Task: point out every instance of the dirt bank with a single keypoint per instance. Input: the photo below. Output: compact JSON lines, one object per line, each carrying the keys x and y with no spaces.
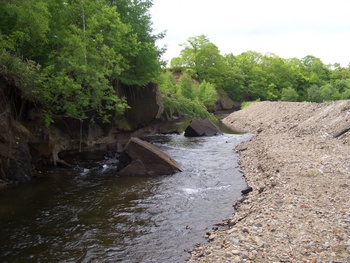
{"x":298,"y":165}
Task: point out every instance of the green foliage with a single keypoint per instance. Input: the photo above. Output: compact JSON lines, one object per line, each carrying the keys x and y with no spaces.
{"x":187,"y":87}
{"x":233,"y":83}
{"x":246,"y":104}
{"x":207,"y":94}
{"x":19,"y":73}
{"x":82,"y":46}
{"x":181,"y":99}
{"x":145,"y":63}
{"x":24,"y":26}
{"x":65,"y":96}
{"x":313,"y":173}
{"x":88,"y":51}
{"x":203,"y":60}
{"x":326,"y":92}
{"x":345,"y":95}
{"x":176,"y":64}
{"x":177,"y":105}
{"x":289,"y":94}
{"x":167,"y":83}
{"x":342,"y":84}
{"x":314,"y":94}
{"x":252,"y":75}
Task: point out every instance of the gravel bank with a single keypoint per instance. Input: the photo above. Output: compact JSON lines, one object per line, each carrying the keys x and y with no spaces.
{"x":298,"y":164}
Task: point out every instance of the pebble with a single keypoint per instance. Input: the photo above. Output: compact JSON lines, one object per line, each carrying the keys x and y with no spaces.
{"x":228,"y":254}
{"x":245,"y":254}
{"x":212,"y":237}
{"x":297,"y":217}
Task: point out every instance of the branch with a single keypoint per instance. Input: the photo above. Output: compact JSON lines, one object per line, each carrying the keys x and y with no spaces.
{"x":341,"y":132}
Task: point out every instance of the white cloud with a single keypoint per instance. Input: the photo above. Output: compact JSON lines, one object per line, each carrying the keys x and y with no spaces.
{"x":287,"y":28}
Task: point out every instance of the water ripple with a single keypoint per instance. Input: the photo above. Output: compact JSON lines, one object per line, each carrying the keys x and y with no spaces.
{"x":89,"y":214}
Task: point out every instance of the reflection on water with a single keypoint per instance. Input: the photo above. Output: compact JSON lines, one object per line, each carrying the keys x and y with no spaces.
{"x":89,"y":214}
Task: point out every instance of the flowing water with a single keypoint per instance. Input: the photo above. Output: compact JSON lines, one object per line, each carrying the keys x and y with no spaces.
{"x":89,"y":214}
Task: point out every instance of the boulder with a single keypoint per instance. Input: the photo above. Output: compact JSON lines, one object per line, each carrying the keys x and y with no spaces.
{"x":142,"y":158}
{"x":201,"y":127}
{"x":224,"y":102}
{"x":139,"y":99}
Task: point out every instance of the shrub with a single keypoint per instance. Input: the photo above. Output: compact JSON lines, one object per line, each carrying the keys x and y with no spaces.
{"x":289,"y":94}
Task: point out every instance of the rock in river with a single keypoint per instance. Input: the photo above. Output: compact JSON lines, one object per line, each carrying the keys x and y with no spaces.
{"x":201,"y":127}
{"x":142,"y":158}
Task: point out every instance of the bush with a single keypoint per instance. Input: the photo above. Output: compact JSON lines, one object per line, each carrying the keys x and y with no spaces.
{"x":313,"y":94}
{"x":177,"y":105}
{"x":22,"y":74}
{"x":207,"y":94}
{"x":329,"y":93}
{"x":289,"y":94}
{"x":346,"y":94}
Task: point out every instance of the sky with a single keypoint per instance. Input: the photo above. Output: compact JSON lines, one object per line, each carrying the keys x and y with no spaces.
{"x":287,"y":28}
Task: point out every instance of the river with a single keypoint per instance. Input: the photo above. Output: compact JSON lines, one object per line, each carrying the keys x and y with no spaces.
{"x":89,"y":214}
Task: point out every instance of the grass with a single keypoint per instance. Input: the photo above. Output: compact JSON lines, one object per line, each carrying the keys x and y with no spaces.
{"x":313,"y":173}
{"x":246,"y":104}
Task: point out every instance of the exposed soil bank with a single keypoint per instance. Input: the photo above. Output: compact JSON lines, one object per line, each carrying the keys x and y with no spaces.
{"x":27,"y":146}
{"x":298,"y":165}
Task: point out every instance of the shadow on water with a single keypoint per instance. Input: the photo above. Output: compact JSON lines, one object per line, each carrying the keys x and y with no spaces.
{"x":179,"y":126}
{"x":89,"y":214}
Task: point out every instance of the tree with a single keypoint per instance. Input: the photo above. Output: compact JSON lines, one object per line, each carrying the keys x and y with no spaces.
{"x":279,"y":72}
{"x":82,"y":46}
{"x":328,"y":93}
{"x":313,"y":70}
{"x":289,"y":94}
{"x":207,"y":93}
{"x":186,"y":87}
{"x":314,"y":94}
{"x":167,"y":83}
{"x":24,"y":26}
{"x":342,"y":84}
{"x":345,"y":95}
{"x":145,"y":64}
{"x":180,"y":99}
{"x":233,"y":78}
{"x":338,"y":72}
{"x":90,"y":40}
{"x":202,"y":59}
{"x":255,"y":78}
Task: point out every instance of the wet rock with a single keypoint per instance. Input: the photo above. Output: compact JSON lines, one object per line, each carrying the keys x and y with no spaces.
{"x":247,"y":190}
{"x":114,"y":151}
{"x":142,"y":158}
{"x":139,"y":99}
{"x":245,"y":230}
{"x":224,"y":102}
{"x":114,"y":148}
{"x":201,"y":127}
{"x":15,"y":158}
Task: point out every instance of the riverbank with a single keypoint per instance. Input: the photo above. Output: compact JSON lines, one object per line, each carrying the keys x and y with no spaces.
{"x":298,"y":164}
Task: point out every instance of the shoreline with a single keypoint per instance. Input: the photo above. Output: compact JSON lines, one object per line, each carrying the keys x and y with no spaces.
{"x":299,"y":170}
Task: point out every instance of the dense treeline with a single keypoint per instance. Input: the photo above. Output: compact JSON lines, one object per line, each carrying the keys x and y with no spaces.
{"x":252,"y":75}
{"x":66,"y":54}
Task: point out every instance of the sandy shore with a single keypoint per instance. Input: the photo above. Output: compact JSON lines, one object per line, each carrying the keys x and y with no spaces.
{"x":298,"y":165}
